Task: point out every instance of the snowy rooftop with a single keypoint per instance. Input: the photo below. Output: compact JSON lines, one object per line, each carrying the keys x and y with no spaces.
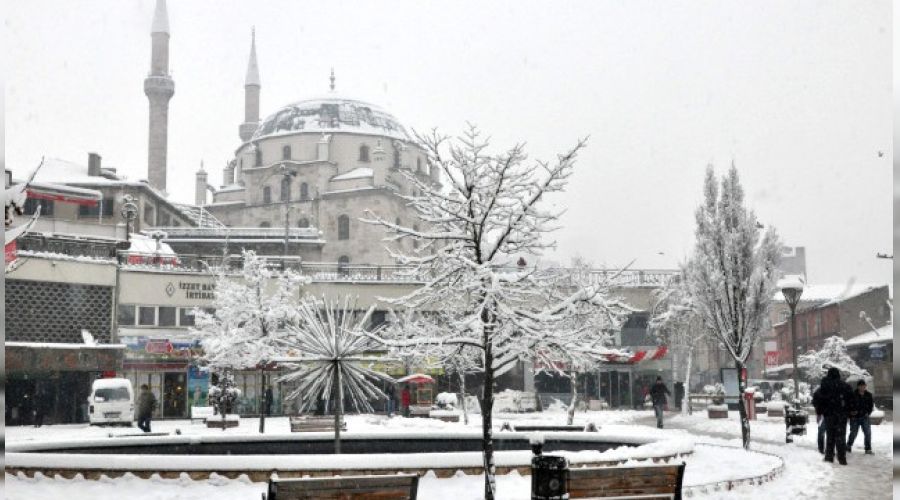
{"x":831,"y":293}
{"x":332,"y":114}
{"x":356,"y":173}
{"x":883,"y":334}
{"x":60,"y":171}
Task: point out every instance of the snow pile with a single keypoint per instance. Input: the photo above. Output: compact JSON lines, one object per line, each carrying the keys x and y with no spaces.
{"x":514,"y":401}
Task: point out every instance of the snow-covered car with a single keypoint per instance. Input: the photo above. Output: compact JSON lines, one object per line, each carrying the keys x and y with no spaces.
{"x":111,"y":402}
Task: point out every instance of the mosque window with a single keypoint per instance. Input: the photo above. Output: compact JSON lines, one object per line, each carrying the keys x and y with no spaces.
{"x":396,"y":157}
{"x":286,"y":153}
{"x":343,"y":265}
{"x":364,"y":153}
{"x":343,"y":227}
{"x":419,"y":165}
{"x":304,"y":223}
{"x":416,"y":238}
{"x":265,"y":223}
{"x":258,"y":157}
{"x":304,"y":191}
{"x":286,"y":189}
{"x":267,"y":194}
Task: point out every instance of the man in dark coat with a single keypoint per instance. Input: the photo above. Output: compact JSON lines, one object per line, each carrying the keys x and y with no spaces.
{"x":658,"y":395}
{"x":146,"y":405}
{"x":390,"y":392}
{"x":833,"y":403}
{"x":861,"y":406}
{"x":820,"y":422}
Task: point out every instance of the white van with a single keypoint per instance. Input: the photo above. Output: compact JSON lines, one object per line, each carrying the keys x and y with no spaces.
{"x":111,"y":402}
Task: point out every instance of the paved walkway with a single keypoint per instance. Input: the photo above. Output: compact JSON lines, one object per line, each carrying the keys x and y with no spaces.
{"x":866,"y":477}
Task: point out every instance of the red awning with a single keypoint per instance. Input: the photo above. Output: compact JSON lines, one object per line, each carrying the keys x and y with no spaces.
{"x":77,"y":199}
{"x":416,"y":378}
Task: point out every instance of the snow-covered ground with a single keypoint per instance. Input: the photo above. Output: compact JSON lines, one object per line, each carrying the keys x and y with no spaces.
{"x":805,"y":475}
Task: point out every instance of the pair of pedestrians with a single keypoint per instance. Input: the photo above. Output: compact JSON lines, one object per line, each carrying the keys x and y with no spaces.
{"x":836,"y":403}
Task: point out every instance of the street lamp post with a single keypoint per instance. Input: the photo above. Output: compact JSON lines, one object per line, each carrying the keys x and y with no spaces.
{"x":792,"y":289}
{"x":129,"y":213}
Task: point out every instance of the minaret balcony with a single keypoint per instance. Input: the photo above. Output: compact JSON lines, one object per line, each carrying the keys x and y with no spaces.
{"x":159,"y":85}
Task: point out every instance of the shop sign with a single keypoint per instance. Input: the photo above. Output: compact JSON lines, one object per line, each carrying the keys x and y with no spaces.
{"x":158,"y":346}
{"x":194,"y":289}
{"x":876,"y":351}
{"x":157,"y":349}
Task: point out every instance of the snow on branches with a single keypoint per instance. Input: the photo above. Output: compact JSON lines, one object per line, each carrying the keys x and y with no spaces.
{"x":472,"y":228}
{"x":735,"y":272}
{"x":251,"y":308}
{"x":832,"y":354}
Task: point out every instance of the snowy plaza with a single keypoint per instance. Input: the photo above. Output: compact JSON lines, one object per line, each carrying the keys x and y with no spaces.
{"x":715,"y":460}
{"x":448,"y":251}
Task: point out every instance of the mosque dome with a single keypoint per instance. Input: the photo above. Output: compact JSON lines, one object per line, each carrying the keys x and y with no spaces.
{"x":331,"y":114}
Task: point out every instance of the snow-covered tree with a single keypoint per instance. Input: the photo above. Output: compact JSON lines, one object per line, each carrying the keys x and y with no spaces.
{"x":251,"y":309}
{"x":675,"y":320}
{"x":470,"y":229}
{"x":833,"y":353}
{"x":326,"y":354}
{"x":733,"y":277}
{"x":223,"y":394}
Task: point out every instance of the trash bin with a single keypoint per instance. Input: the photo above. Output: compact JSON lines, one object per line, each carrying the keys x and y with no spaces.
{"x":750,"y":404}
{"x":549,"y":478}
{"x":795,"y":421}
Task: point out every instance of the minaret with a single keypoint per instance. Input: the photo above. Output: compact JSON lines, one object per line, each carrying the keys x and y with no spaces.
{"x":251,"y":94}
{"x":159,"y":88}
{"x":200,"y":187}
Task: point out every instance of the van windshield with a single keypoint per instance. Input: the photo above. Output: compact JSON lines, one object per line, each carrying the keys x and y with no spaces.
{"x":111,"y":394}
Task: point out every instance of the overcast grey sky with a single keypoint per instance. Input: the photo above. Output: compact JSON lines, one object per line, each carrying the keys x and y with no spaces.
{"x":798,"y":94}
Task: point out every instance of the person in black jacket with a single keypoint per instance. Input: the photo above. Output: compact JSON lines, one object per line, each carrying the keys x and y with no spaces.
{"x":658,"y":396}
{"x":820,"y":422}
{"x":861,"y":406}
{"x":833,"y":402}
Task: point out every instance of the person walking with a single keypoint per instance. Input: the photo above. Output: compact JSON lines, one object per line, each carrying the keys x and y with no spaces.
{"x":41,"y":404}
{"x":405,"y":400}
{"x":146,"y":405}
{"x":390,"y":392}
{"x":861,"y":406}
{"x":834,"y":400}
{"x":820,"y":421}
{"x":658,"y":395}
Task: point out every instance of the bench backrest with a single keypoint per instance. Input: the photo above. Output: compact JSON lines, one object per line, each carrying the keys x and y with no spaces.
{"x":627,"y":482}
{"x":387,"y":487}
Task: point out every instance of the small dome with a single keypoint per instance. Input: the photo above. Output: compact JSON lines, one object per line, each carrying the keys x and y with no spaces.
{"x":329,"y":115}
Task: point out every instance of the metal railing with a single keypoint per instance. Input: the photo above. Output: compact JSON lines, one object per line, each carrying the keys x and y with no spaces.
{"x":335,"y":271}
{"x":179,"y":232}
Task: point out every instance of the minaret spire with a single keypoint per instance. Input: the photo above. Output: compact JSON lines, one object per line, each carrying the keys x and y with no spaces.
{"x":332,"y":79}
{"x":159,"y":88}
{"x":251,"y":93}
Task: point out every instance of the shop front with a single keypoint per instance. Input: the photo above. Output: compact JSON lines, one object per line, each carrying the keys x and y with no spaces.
{"x":168,"y":366}
{"x":51,"y":382}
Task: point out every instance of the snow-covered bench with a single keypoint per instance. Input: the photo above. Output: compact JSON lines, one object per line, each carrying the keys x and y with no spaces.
{"x":589,"y":427}
{"x":314,"y":424}
{"x":387,"y":487}
{"x":202,"y":412}
{"x":217,"y":422}
{"x":642,"y":481}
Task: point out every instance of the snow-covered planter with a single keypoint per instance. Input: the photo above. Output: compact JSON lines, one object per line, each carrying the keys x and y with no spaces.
{"x":762,"y":408}
{"x":775,"y":408}
{"x":445,"y":415}
{"x":876,"y":417}
{"x":717,"y":411}
{"x":446,"y":401}
{"x":716,"y":391}
{"x":219,"y":423}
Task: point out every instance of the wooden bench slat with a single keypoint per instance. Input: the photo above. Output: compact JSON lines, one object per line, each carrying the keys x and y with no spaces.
{"x":651,"y":481}
{"x":386,"y":487}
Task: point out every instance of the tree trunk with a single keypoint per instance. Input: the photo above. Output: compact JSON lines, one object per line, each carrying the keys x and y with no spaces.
{"x":742,"y":410}
{"x":462,"y":390}
{"x":338,"y":409}
{"x":685,"y":398}
{"x":262,"y":401}
{"x":573,"y":385}
{"x":487,"y":406}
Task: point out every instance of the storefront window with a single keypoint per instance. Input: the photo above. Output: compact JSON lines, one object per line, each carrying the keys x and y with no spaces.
{"x":126,"y":315}
{"x":147,"y":316}
{"x":166,"y":316}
